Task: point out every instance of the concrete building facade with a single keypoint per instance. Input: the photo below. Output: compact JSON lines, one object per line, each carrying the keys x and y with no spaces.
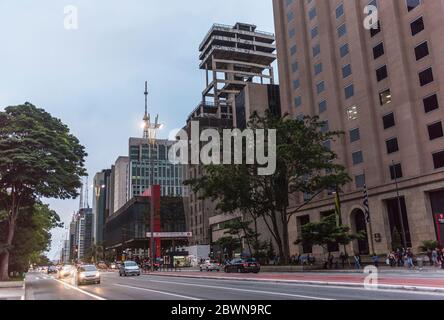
{"x":383,"y":88}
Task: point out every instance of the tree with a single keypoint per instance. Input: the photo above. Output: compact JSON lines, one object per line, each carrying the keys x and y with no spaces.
{"x":33,"y":235}
{"x":38,"y":158}
{"x":304,"y":164}
{"x":228,"y":245}
{"x":327,"y":233}
{"x":429,"y":245}
{"x":94,"y":254}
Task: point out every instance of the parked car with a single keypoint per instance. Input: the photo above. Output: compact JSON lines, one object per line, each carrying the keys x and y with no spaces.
{"x":210,"y":265}
{"x":88,"y":274}
{"x":129,"y":268}
{"x":243,"y":266}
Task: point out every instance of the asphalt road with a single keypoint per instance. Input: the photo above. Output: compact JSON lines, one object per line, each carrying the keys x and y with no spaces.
{"x":113,"y":287}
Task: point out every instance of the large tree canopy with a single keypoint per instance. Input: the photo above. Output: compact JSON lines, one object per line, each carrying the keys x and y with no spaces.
{"x":305,"y":164}
{"x":38,"y":158}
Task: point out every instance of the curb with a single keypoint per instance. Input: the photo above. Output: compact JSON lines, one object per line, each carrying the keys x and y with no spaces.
{"x":308,"y":282}
{"x":12,"y":285}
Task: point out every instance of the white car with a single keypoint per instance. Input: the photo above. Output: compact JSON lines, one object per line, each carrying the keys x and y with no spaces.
{"x":210,"y":265}
{"x":88,"y":274}
{"x":129,"y":268}
{"x":67,"y":271}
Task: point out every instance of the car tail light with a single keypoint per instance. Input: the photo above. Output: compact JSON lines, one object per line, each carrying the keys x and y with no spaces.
{"x":245,"y":264}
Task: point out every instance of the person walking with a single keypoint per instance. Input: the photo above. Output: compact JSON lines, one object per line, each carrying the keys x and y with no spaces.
{"x":343,"y":257}
{"x":435,"y":254}
{"x":357,"y":258}
{"x":375,"y":260}
{"x":409,"y":259}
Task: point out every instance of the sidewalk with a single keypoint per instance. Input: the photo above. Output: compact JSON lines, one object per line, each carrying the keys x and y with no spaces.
{"x":12,"y":290}
{"x":404,"y":280}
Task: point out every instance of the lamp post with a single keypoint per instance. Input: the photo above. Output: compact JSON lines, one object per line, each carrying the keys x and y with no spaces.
{"x":398,"y":197}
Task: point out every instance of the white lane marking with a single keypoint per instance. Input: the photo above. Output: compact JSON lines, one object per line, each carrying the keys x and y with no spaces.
{"x":247,"y":290}
{"x":80,"y":290}
{"x":155,"y":291}
{"x":22,"y":298}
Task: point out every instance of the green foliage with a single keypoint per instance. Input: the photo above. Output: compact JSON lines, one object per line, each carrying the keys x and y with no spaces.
{"x":32,"y":237}
{"x":327,"y":233}
{"x":38,"y":158}
{"x":228,"y":245}
{"x":429,"y":245}
{"x":304,"y":164}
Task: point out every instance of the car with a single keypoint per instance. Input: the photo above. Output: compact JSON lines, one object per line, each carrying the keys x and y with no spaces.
{"x":129,"y":268}
{"x":67,"y":271}
{"x":52,"y":269}
{"x":249,"y":265}
{"x":88,"y":274}
{"x":102,"y":265}
{"x":210,"y":265}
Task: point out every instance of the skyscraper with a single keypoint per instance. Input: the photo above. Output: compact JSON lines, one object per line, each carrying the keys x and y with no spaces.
{"x":382,"y":87}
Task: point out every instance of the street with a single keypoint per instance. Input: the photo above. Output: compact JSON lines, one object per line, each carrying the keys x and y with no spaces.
{"x":43,"y":287}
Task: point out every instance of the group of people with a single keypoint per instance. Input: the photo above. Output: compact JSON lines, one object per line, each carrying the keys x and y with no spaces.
{"x":400,"y":257}
{"x":305,"y":259}
{"x":436,"y":257}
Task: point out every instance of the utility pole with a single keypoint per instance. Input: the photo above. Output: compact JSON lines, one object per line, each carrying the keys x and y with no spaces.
{"x":403,"y":234}
{"x":152,"y":242}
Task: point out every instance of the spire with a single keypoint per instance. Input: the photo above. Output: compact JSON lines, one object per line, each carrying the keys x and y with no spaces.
{"x":146,"y":117}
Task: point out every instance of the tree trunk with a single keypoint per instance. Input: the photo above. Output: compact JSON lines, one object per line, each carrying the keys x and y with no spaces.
{"x":285,"y":240}
{"x":4,"y":261}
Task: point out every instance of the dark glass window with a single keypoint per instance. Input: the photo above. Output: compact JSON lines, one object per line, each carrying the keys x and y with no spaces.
{"x":435,"y":131}
{"x":374,"y":32}
{"x":322,"y":106}
{"x":378,"y":50}
{"x":355,"y":135}
{"x":426,"y":77}
{"x":339,"y":10}
{"x":422,"y":51}
{"x":431,"y":103}
{"x":346,"y":71}
{"x":438,"y":160}
{"x":357,"y":157}
{"x":392,"y":145}
{"x":343,"y":50}
{"x":381,"y":73}
{"x":349,"y":91}
{"x":412,"y":4}
{"x":417,"y":26}
{"x":396,"y":171}
{"x":389,"y":120}
{"x":360,"y":181}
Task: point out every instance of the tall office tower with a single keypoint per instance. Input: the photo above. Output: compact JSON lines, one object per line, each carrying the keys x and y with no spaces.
{"x":149,"y":165}
{"x":238,"y":64}
{"x":120,"y":182}
{"x":382,"y":87}
{"x":72,"y":239}
{"x":84,"y":232}
{"x":102,"y":202}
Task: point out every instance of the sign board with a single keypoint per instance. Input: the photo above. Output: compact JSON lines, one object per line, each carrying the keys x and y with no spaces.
{"x":170,"y":234}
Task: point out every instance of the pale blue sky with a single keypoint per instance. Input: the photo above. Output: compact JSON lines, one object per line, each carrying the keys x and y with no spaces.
{"x":92,"y":78}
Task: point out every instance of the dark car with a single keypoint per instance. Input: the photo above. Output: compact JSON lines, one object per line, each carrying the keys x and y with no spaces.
{"x":52,"y":269}
{"x":243,"y":266}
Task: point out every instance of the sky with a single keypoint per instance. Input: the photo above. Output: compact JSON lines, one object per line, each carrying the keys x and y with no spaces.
{"x":92,"y":78}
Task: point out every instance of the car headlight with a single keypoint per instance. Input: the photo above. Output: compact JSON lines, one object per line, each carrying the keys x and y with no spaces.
{"x":97,"y":274}
{"x":82,"y":275}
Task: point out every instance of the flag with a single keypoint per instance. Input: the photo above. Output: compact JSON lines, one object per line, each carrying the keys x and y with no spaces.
{"x":366,"y":207}
{"x":338,"y":208}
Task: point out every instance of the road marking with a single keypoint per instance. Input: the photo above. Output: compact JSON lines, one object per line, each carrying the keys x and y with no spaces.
{"x":246,"y":290}
{"x":80,"y":290}
{"x":160,"y":292}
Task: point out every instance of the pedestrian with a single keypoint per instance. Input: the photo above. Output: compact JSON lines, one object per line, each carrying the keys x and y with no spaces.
{"x":331,"y":259}
{"x":357,"y":258}
{"x":375,"y":260}
{"x":435,"y":255}
{"x":342,"y":258}
{"x":409,"y":258}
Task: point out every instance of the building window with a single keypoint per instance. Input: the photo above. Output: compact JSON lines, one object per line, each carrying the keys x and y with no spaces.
{"x":396,"y":171}
{"x":435,"y":130}
{"x":431,"y":103}
{"x":290,"y":16}
{"x":355,"y":135}
{"x":349,"y":91}
{"x":293,"y":50}
{"x":412,"y":4}
{"x":426,"y":77}
{"x":294,"y":67}
{"x":385,"y":97}
{"x":381,"y":73}
{"x":438,"y":160}
{"x":422,"y":51}
{"x":339,"y":11}
{"x":374,"y":32}
{"x":316,"y":50}
{"x":318,"y":68}
{"x":292,"y":33}
{"x":392,"y":145}
{"x":320,"y":87}
{"x":357,"y":157}
{"x":388,"y":120}
{"x":417,"y":26}
{"x":346,"y":71}
{"x":298,"y":101}
{"x":360,"y":181}
{"x":296,"y":84}
{"x":322,"y":106}
{"x":352,"y":113}
{"x":342,"y":31}
{"x":314,"y":32}
{"x":312,"y":14}
{"x":343,"y":50}
{"x":378,"y":50}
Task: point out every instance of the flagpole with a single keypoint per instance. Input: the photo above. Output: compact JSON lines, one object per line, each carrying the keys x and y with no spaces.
{"x":368,"y":218}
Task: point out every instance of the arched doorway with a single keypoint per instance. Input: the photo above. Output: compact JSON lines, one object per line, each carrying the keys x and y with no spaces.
{"x":359,"y":225}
